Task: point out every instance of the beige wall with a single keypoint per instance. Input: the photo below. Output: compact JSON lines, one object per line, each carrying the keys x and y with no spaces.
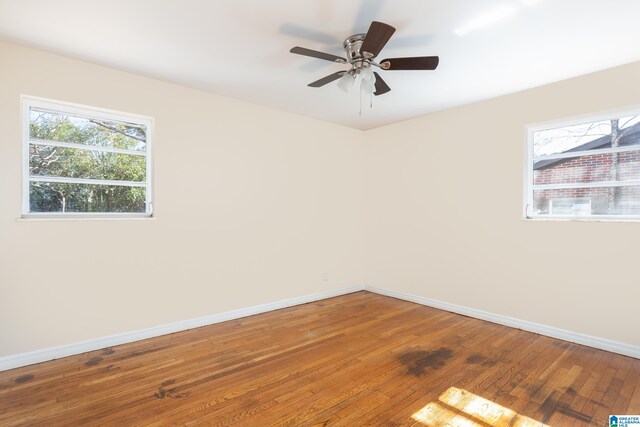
{"x":444,"y":208}
{"x":252,"y":206}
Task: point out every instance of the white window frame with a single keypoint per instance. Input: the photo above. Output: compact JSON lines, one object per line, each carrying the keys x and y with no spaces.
{"x":529,"y":159}
{"x":84,"y":111}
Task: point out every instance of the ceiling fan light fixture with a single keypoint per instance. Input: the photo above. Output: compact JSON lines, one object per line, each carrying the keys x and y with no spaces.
{"x":367,"y":86}
{"x":367,"y":75}
{"x":367,"y":80}
{"x":346,"y":82}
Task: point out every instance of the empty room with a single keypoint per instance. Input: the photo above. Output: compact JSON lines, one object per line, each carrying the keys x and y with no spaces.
{"x":319,"y":213}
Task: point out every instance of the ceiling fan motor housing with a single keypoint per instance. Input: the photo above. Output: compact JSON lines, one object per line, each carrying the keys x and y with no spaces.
{"x":352,"y":45}
{"x":356,"y":58}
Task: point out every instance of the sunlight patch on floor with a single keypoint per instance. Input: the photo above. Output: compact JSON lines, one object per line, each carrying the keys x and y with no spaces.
{"x":460,"y":408}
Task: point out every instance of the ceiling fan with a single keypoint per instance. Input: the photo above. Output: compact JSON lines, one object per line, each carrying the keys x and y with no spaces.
{"x":362,"y":49}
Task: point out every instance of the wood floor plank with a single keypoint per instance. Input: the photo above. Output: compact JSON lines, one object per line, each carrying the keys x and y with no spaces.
{"x":634,"y":403}
{"x":354,"y":360}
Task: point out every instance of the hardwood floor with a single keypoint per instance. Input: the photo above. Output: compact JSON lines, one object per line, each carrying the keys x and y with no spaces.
{"x":355,"y":360}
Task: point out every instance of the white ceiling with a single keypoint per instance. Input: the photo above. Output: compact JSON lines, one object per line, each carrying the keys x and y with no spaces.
{"x":241,"y":48}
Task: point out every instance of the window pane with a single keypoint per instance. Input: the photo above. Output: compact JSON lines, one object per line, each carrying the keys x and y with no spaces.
{"x":594,"y":168}
{"x":73,"y":163}
{"x":587,"y":136}
{"x":61,"y":197}
{"x":67,"y":128}
{"x":587,"y":201}
{"x":560,"y":140}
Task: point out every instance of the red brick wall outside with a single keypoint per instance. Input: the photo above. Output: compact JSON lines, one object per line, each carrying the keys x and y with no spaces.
{"x":586,"y":169}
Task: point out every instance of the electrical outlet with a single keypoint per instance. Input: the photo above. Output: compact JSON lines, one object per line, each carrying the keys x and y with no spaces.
{"x":325,"y":276}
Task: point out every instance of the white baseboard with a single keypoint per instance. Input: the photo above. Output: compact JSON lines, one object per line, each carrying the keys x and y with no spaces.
{"x":29,"y":358}
{"x":37,"y":356}
{"x":550,"y":331}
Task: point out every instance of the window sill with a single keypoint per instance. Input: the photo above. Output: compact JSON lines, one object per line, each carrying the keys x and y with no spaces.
{"x":83,"y":218}
{"x":581,"y":219}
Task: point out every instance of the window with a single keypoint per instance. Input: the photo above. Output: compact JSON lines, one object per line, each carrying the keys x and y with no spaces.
{"x":570,"y":207}
{"x":585,"y":169}
{"x":84,"y":161}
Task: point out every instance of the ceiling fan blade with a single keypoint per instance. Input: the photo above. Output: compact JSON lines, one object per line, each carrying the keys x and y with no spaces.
{"x":328,"y":79}
{"x":415,"y":63}
{"x":315,"y":54}
{"x":378,"y":35}
{"x":381,"y":86}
